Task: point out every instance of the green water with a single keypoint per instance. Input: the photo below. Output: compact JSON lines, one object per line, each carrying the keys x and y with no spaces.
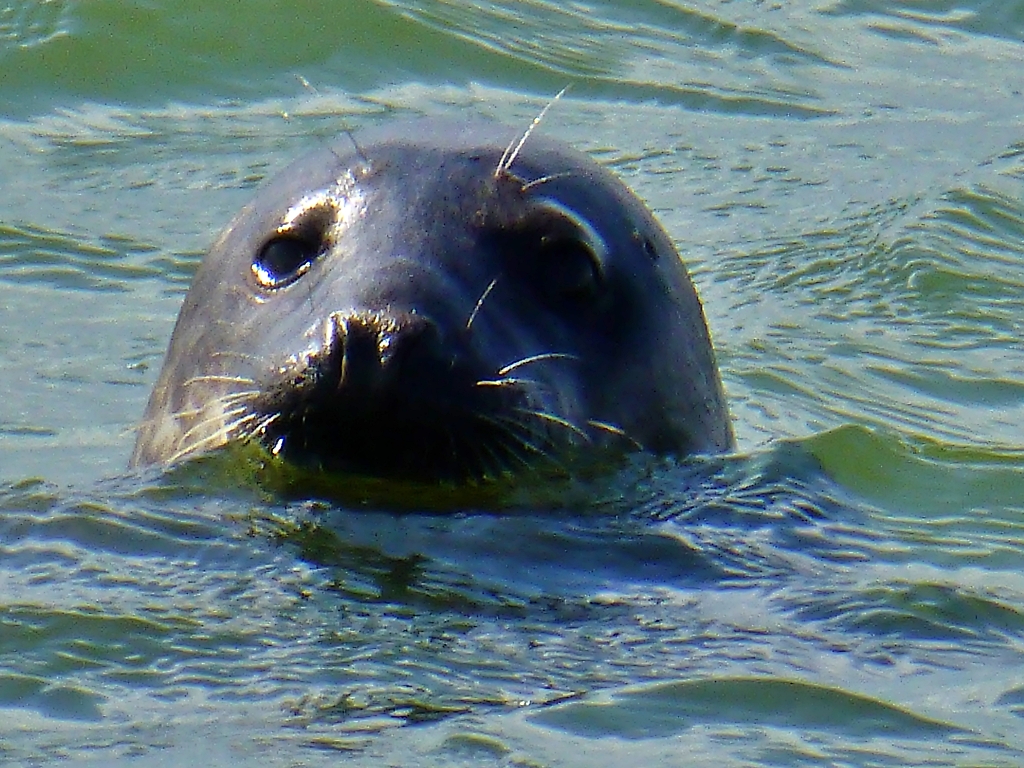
{"x":845,"y":181}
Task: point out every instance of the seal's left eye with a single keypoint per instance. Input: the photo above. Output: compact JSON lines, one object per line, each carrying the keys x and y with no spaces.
{"x":283,"y":260}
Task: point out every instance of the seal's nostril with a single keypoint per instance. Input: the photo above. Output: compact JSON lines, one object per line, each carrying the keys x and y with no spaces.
{"x":415,"y":341}
{"x":356,"y":352}
{"x":380,"y":351}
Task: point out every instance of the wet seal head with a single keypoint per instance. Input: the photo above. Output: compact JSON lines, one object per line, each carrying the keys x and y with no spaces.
{"x":439,"y":302}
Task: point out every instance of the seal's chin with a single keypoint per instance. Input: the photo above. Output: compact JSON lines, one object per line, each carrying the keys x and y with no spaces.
{"x":391,"y":441}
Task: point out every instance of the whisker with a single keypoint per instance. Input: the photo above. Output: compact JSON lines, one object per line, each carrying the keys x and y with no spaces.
{"x":536,"y":449}
{"x":491,"y":464}
{"x":536,"y":359}
{"x":480,"y":303}
{"x":226,"y":403}
{"x":306,"y":84}
{"x":253,"y":431}
{"x":234,"y":398}
{"x":260,"y":427}
{"x":187,"y":413}
{"x":512,"y":439}
{"x":208,"y":378}
{"x":216,"y":438}
{"x":508,"y":157}
{"x":545,"y":179}
{"x":510,"y":381}
{"x":232,"y":353}
{"x":508,"y":427}
{"x":477,"y":458}
{"x":554,"y":419}
{"x":230,"y":399}
{"x":618,"y":431}
{"x":226,"y":416}
{"x":502,"y":421}
{"x":509,"y":453}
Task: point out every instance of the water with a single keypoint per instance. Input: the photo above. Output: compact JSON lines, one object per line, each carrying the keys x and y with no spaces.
{"x":846,"y":182}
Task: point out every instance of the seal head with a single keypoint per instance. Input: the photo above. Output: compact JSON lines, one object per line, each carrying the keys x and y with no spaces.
{"x":433,"y":302}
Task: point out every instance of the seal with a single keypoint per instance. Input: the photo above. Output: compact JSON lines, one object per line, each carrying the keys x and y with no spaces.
{"x":439,"y":301}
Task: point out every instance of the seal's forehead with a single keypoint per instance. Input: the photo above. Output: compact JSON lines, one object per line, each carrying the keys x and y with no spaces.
{"x":429,"y":134}
{"x":440,"y":138}
{"x":420,"y":152}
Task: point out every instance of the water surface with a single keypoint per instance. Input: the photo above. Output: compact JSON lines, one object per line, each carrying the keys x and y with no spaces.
{"x":845,"y":181}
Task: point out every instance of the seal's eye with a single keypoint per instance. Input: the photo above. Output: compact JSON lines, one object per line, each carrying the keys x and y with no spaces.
{"x":283,"y":260}
{"x":570,"y":253}
{"x":569,"y":269}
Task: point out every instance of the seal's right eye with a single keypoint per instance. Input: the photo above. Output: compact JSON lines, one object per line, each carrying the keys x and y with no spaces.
{"x":570,"y":270}
{"x":283,"y":260}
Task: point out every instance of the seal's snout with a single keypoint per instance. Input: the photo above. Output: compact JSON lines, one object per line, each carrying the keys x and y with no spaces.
{"x":388,"y":394}
{"x":373,"y":354}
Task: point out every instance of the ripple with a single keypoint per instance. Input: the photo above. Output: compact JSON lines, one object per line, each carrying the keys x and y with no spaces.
{"x":662,"y":710}
{"x":31,"y":23}
{"x":39,"y":256}
{"x":1002,"y":20}
{"x":930,"y":478}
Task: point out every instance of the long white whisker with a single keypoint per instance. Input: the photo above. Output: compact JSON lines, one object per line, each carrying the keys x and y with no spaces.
{"x":226,"y":416}
{"x":509,"y":155}
{"x":491,"y":464}
{"x":208,"y":378}
{"x":230,"y":399}
{"x":480,"y":303}
{"x":553,"y":419}
{"x":507,"y":450}
{"x":545,"y":179}
{"x":618,"y":431}
{"x":231,"y":353}
{"x":507,"y":426}
{"x":215,"y":438}
{"x":511,"y":381}
{"x":260,"y":427}
{"x":536,"y":359}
